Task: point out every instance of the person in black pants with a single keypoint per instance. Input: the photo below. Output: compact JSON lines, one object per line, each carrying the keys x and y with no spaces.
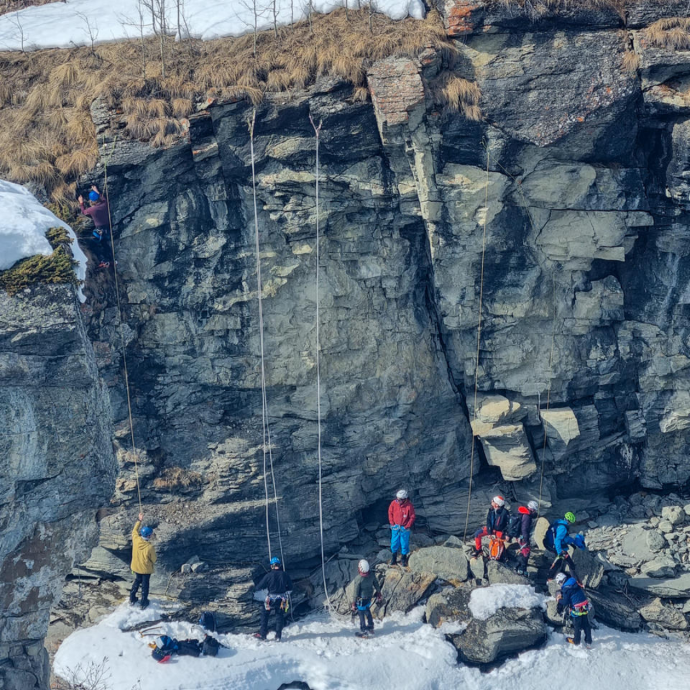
{"x":571,"y":598}
{"x":278,"y":585}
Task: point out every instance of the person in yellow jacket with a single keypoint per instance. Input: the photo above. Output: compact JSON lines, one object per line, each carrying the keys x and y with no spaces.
{"x":143,"y":560}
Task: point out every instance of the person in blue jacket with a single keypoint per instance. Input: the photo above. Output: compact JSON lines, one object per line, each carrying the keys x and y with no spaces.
{"x":558,"y":540}
{"x":572,"y":599}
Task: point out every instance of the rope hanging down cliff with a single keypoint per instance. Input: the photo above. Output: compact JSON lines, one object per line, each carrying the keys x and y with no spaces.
{"x":479,"y":335}
{"x":317,"y":133}
{"x":267,"y":445}
{"x":119,"y":311}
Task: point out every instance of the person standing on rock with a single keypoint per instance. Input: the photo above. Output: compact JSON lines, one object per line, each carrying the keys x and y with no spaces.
{"x":496,"y":524}
{"x":557,"y":540}
{"x":401,"y":517}
{"x":573,"y":600}
{"x":525,"y":519}
{"x":366,"y":588}
{"x":143,"y":561}
{"x":278,"y":585}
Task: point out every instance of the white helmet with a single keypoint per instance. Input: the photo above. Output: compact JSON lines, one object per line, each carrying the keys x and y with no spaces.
{"x":560,"y":578}
{"x":363,"y":566}
{"x":402,"y":494}
{"x":499,"y":500}
{"x":533,"y":505}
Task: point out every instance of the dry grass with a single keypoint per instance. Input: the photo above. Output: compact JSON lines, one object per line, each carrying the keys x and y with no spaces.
{"x":458,"y":95}
{"x":631,"y":61}
{"x":673,"y":33}
{"x":47,"y":135}
{"x":176,"y":478}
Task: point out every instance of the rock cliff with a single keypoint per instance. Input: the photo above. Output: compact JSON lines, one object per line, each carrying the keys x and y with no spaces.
{"x":57,"y":468}
{"x":569,"y":197}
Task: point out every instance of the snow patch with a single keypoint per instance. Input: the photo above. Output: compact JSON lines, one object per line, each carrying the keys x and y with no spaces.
{"x":61,"y":24}
{"x":486,"y":601}
{"x":405,"y":653}
{"x":23,"y":225}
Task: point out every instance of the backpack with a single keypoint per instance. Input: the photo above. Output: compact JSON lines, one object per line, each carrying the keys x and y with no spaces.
{"x":208,"y":621}
{"x":496,"y":548}
{"x":210,"y":646}
{"x":161,"y":655}
{"x":514,"y":526}
{"x":189,"y":648}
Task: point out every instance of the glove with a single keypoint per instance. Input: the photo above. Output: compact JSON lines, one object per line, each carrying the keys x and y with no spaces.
{"x":379,"y":598}
{"x":392,"y":526}
{"x":353,"y":607}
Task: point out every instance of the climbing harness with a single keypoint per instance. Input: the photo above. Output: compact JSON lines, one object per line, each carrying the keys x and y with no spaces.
{"x":119,"y":310}
{"x":264,"y":401}
{"x":317,"y":133}
{"x":479,"y":335}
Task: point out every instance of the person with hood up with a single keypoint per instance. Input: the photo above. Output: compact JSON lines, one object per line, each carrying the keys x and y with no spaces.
{"x":143,"y":561}
{"x":496,"y":524}
{"x":401,"y":517}
{"x":366,"y":589}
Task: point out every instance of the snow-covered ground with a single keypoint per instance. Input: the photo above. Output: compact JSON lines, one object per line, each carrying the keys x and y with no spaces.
{"x":405,"y":654}
{"x":485,"y":601}
{"x":74,"y":22}
{"x":23,"y":225}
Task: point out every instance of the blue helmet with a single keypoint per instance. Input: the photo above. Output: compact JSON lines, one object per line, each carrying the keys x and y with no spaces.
{"x":275,"y":561}
{"x":146,"y":532}
{"x":94,"y":196}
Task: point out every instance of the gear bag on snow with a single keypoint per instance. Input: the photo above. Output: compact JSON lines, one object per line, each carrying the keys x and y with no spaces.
{"x":208,"y":621}
{"x":210,"y":646}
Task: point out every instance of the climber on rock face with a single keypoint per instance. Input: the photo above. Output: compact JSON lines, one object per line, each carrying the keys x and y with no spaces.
{"x":98,"y":212}
{"x":366,"y":588}
{"x":526,"y":515}
{"x":496,"y":524}
{"x":278,"y":585}
{"x":557,"y":540}
{"x":401,"y":517}
{"x":572,"y":599}
{"x":143,"y":560}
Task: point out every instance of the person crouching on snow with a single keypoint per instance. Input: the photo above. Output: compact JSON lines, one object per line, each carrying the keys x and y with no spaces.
{"x":365,"y":587}
{"x":401,"y":517}
{"x":143,"y":561}
{"x":279,"y":585}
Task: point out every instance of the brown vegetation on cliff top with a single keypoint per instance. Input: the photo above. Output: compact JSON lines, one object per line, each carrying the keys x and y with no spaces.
{"x":47,"y":135}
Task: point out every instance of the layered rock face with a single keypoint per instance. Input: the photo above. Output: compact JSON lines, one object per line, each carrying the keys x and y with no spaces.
{"x":570,"y":198}
{"x":57,"y":468}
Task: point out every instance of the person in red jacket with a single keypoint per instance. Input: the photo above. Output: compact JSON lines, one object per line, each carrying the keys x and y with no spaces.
{"x":401,"y":517}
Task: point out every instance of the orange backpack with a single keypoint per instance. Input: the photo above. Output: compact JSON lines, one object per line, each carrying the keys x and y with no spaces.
{"x":496,"y":548}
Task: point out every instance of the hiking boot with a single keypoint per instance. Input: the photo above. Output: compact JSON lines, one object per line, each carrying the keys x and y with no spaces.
{"x":394,"y":560}
{"x":588,"y":645}
{"x":476,"y":553}
{"x":133,"y":602}
{"x":144,"y":605}
{"x":403,"y":562}
{"x":259,"y":636}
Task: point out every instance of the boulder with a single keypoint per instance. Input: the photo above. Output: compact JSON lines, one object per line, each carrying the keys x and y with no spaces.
{"x":453,"y":542}
{"x":507,"y":632}
{"x":659,"y":567}
{"x":448,"y":605}
{"x":477,"y":567}
{"x":615,"y":610}
{"x":540,"y":529}
{"x":403,"y":590}
{"x":665,"y":616}
{"x":561,"y":428}
{"x":674,"y":514}
{"x":589,"y":568}
{"x":669,"y":588}
{"x":449,"y":564}
{"x":634,"y":545}
{"x":655,"y":540}
{"x":666,"y":527}
{"x":499,"y":573}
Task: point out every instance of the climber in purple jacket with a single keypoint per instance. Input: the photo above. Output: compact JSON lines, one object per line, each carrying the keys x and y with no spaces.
{"x":98,"y":212}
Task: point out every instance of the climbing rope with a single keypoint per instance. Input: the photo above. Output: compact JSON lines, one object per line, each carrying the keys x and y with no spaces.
{"x":479,"y":335}
{"x":267,"y":445}
{"x":317,"y":133}
{"x":525,"y":208}
{"x":121,"y":321}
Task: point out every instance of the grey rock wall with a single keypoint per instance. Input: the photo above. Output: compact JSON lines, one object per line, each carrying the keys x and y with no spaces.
{"x":57,"y":468}
{"x":583,"y":164}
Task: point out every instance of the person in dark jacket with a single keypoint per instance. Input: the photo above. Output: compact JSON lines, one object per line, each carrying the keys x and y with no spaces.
{"x":527,"y":515}
{"x":278,"y":585}
{"x":401,"y":517}
{"x":573,"y":600}
{"x":366,"y":589}
{"x":496,"y":524}
{"x":98,"y":212}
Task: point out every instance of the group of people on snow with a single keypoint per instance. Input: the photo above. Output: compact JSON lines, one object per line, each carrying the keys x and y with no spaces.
{"x":500,"y":528}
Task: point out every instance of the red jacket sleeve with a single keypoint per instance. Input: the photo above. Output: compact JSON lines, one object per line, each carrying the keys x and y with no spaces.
{"x":86,"y":211}
{"x":391,"y":519}
{"x":410,"y":518}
